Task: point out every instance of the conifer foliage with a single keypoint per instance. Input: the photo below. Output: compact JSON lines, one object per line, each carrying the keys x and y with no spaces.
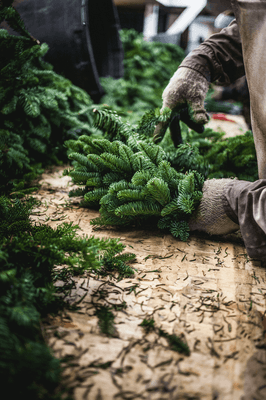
{"x":130,"y":177}
{"x":39,"y":109}
{"x":28,"y":255}
{"x":148,"y":67}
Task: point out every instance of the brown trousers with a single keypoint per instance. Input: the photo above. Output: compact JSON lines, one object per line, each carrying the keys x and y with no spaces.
{"x":245,"y":204}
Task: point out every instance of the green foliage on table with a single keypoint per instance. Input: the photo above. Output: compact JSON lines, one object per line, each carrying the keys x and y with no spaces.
{"x":131,"y":179}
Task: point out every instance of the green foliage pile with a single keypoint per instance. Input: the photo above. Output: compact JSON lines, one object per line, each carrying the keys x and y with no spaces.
{"x":131,"y":179}
{"x":28,"y":257}
{"x":134,"y":181}
{"x":233,"y":157}
{"x":220,"y":157}
{"x":148,"y":67}
{"x":39,"y":109}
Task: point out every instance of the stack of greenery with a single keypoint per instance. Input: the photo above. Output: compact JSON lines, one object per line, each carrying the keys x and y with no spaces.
{"x":39,"y":109}
{"x":223,"y":158}
{"x":132,"y":179}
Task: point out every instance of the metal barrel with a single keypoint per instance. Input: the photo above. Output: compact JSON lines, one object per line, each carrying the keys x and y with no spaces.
{"x":83,"y":38}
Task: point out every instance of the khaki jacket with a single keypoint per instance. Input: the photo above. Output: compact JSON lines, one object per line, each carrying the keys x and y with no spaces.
{"x":219,"y":58}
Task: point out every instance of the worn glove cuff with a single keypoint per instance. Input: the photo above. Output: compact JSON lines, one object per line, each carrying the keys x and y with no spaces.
{"x":211,"y":216}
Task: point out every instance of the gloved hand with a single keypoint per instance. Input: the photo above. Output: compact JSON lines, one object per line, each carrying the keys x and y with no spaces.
{"x":186,"y":91}
{"x":210,"y":217}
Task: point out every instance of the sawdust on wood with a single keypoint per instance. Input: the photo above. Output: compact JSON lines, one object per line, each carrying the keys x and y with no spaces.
{"x":205,"y":290}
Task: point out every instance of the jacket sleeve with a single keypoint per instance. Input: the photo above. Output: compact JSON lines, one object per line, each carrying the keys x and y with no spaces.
{"x":219,"y":58}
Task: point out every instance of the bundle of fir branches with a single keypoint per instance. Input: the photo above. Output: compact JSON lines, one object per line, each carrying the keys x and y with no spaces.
{"x":131,"y":179}
{"x":39,"y":109}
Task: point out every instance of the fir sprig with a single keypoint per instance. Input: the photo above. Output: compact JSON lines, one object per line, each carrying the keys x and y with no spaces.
{"x":176,"y":343}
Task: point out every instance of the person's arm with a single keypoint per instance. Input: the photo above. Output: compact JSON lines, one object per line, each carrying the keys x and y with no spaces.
{"x":219,"y":57}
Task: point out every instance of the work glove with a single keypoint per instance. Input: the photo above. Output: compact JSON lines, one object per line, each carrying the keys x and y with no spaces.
{"x":185,"y":93}
{"x":210,"y":216}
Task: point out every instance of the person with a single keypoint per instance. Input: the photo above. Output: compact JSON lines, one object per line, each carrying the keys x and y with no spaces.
{"x":229,"y":204}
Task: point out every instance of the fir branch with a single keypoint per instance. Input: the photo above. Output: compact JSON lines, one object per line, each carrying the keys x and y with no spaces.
{"x":138,"y":208}
{"x":112,"y":177}
{"x":176,"y":343}
{"x":154,"y":153}
{"x":9,"y":14}
{"x":82,"y":160}
{"x":180,"y":229}
{"x":159,"y":191}
{"x":94,"y":197}
{"x":144,"y":183}
{"x":131,"y":195}
{"x":110,"y":122}
{"x":106,"y":321}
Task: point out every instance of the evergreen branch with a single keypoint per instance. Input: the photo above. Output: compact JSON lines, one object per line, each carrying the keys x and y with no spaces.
{"x":140,"y":178}
{"x":9,"y":14}
{"x":131,"y":195}
{"x":82,"y":161}
{"x":115,"y":164}
{"x":120,"y":185}
{"x":111,"y":177}
{"x":170,"y":208}
{"x":142,"y":162}
{"x":153,"y":152}
{"x":98,"y":162}
{"x":94,"y":197}
{"x":80,"y":176}
{"x":110,"y":122}
{"x":180,"y":229}
{"x":109,"y":202}
{"x":159,"y":190}
{"x":95,"y":179}
{"x":138,"y":208}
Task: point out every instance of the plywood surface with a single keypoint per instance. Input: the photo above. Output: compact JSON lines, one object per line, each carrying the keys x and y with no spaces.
{"x":205,"y":290}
